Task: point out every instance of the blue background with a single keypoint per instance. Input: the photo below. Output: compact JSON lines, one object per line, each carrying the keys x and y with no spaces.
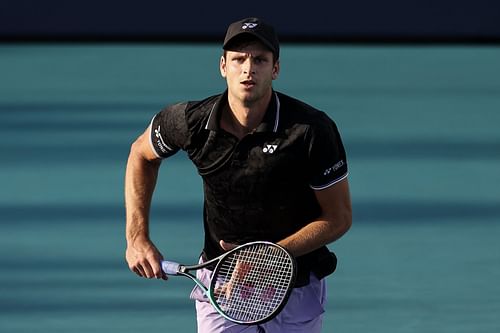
{"x":420,"y":125}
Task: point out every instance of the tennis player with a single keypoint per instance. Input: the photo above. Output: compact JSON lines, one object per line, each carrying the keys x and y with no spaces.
{"x":274,"y":168}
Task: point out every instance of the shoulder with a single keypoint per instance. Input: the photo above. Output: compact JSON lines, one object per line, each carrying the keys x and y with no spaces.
{"x":192,"y":113}
{"x":193,"y":108}
{"x":295,"y":111}
{"x":198,"y":112}
{"x":181,"y":126}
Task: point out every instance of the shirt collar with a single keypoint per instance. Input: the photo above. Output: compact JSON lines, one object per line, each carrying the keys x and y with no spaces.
{"x":269,"y":123}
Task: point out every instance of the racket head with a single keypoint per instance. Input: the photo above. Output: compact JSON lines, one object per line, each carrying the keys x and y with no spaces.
{"x":251,"y":283}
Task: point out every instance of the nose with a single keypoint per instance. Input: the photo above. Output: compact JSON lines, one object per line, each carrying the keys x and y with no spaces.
{"x":248,"y":67}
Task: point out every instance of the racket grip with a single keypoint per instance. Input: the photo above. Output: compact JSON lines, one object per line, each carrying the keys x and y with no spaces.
{"x":170,"y":267}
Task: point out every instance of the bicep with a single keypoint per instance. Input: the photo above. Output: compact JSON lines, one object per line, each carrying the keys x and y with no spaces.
{"x":143,"y":148}
{"x":327,"y":156}
{"x":335,"y":203}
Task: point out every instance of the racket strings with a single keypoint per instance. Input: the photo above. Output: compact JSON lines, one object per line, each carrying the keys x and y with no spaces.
{"x":253,"y":282}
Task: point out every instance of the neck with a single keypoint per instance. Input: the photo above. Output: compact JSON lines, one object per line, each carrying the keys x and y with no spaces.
{"x":242,"y":118}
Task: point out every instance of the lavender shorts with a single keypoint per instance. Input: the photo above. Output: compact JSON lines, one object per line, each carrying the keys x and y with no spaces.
{"x":302,"y":313}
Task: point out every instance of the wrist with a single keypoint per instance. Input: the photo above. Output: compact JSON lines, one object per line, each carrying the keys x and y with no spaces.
{"x":135,"y":239}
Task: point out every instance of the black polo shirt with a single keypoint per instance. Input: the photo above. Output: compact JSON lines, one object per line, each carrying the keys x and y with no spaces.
{"x":262,"y":186}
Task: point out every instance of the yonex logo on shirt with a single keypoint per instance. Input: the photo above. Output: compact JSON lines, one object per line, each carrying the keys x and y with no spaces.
{"x":335,"y":167}
{"x":160,"y":143}
{"x":269,"y":149}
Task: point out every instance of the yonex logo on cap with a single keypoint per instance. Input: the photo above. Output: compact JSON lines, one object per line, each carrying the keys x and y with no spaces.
{"x":248,"y":26}
{"x":259,"y":29}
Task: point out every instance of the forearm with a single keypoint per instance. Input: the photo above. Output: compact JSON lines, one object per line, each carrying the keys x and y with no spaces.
{"x":140,"y":181}
{"x":314,"y":235}
{"x":334,"y":221}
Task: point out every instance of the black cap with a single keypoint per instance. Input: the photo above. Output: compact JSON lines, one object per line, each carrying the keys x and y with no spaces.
{"x":256,"y":27}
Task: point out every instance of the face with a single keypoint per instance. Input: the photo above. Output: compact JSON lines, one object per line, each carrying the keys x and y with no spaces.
{"x":249,"y":70}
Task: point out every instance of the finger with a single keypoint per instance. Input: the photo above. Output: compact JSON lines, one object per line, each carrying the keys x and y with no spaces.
{"x":148,"y":271}
{"x":229,"y":290}
{"x":220,"y":290}
{"x":157,"y":271}
{"x":227,"y":246}
{"x":138,"y":270}
{"x":241,"y":270}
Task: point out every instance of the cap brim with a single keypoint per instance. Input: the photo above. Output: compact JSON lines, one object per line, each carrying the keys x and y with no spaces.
{"x":227,"y":43}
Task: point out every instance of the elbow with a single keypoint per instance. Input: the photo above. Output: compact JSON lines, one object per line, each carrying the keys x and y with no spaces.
{"x":346,"y":220}
{"x":345,"y":216}
{"x":347,"y":223}
{"x":341,"y":225}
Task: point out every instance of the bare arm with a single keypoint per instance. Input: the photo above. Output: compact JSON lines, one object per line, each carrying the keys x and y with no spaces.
{"x":335,"y":220}
{"x":140,"y":180}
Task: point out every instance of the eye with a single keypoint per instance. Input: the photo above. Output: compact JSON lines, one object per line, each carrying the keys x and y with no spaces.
{"x":239,"y":59}
{"x":260,"y":60}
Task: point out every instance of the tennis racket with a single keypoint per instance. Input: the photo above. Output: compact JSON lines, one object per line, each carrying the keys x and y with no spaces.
{"x":250,"y":283}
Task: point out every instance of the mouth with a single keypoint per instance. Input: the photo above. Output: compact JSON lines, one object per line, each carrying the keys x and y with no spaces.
{"x":248,"y":83}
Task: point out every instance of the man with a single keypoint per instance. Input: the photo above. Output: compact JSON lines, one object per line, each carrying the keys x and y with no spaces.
{"x":273,"y":168}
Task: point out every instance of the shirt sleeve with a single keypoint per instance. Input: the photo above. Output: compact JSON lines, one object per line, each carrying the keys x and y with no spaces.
{"x":169,"y":131}
{"x":328,"y":162}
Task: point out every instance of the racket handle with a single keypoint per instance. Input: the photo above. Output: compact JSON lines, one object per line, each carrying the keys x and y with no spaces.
{"x":170,"y":267}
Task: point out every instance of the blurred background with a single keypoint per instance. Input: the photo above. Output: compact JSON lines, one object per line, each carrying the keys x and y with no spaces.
{"x":414,"y":87}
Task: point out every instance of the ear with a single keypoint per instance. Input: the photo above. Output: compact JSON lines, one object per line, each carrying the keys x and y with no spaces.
{"x":276,"y":70}
{"x":222,"y":66}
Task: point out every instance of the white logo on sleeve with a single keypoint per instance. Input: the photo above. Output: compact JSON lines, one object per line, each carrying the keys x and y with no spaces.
{"x":334,"y":168}
{"x":160,"y":143}
{"x":269,"y":149}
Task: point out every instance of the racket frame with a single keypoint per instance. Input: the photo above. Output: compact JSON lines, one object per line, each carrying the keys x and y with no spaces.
{"x":173,"y":268}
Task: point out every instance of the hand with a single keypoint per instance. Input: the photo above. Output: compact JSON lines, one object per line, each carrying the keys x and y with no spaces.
{"x":144,"y":259}
{"x":227,"y":246}
{"x":238,"y":275}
